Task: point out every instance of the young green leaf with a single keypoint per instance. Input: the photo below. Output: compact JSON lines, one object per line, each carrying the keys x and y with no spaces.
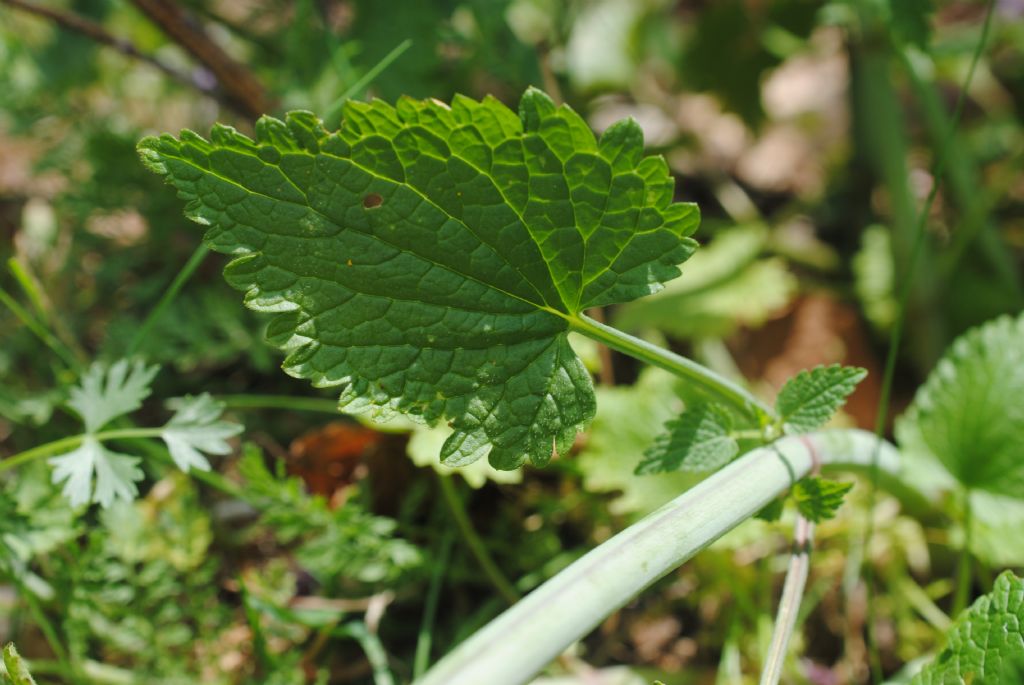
{"x":431,"y":258}
{"x":115,"y":474}
{"x":818,"y":499}
{"x":698,"y":440}
{"x":986,"y":643}
{"x":17,"y":671}
{"x":969,"y":412}
{"x":809,"y":399}
{"x":105,"y":393}
{"x":772,"y":511}
{"x":629,"y":418}
{"x":196,"y":428}
{"x":102,"y":395}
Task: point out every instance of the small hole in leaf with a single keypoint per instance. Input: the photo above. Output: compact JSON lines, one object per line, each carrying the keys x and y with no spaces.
{"x":373,"y":200}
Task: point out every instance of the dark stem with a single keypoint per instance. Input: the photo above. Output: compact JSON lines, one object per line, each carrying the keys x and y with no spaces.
{"x":241,"y":89}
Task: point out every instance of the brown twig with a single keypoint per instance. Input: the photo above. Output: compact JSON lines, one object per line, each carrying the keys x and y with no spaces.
{"x":241,"y":89}
{"x":94,"y":31}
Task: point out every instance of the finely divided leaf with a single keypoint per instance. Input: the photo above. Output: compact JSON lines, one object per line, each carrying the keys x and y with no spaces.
{"x":699,"y":440}
{"x":809,"y":399}
{"x":818,"y":499}
{"x":103,"y":394}
{"x":431,"y":258}
{"x":970,"y":412}
{"x":115,"y":474}
{"x":196,"y":428}
{"x":93,"y":473}
{"x":334,"y":542}
{"x":986,"y":643}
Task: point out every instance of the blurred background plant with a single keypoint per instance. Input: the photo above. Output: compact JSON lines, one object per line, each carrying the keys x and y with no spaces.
{"x":808,"y":133}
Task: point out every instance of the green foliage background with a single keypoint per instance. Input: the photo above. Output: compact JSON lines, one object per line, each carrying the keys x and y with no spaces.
{"x":807,"y":133}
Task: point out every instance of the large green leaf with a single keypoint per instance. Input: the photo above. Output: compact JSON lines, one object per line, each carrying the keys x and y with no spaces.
{"x":431,"y":258}
{"x":969,"y":412}
{"x":986,"y":644}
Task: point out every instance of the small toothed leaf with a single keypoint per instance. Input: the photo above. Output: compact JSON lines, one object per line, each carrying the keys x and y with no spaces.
{"x":808,"y":400}
{"x":105,"y":393}
{"x":698,"y":440}
{"x":93,"y":473}
{"x":772,"y":511}
{"x":195,"y":429}
{"x":432,"y":258}
{"x":985,"y":646}
{"x":818,"y":499}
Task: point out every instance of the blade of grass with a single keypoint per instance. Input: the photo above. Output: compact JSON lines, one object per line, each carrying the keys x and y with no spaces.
{"x":962,"y":178}
{"x":473,"y":542}
{"x":43,"y":306}
{"x":896,"y":334}
{"x":334,"y":111}
{"x":167,"y":298}
{"x":29,"y":287}
{"x":880,"y":114}
{"x":372,"y":647}
{"x":313,"y":404}
{"x":424,"y":640}
{"x":47,"y":628}
{"x":40,"y":331}
{"x":963,"y":568}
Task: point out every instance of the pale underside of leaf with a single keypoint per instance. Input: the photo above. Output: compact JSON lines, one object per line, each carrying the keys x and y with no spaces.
{"x":431,"y":258}
{"x":195,"y":429}
{"x":114,"y":474}
{"x":105,"y":393}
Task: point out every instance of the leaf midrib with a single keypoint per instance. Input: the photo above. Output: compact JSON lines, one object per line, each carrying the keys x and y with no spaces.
{"x":332,"y":222}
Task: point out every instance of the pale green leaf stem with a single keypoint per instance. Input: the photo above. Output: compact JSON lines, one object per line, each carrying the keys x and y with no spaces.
{"x":717,"y":386}
{"x":520,"y":642}
{"x":74,"y":441}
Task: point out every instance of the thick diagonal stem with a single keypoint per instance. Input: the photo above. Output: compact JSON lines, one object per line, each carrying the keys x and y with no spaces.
{"x":515,"y":646}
